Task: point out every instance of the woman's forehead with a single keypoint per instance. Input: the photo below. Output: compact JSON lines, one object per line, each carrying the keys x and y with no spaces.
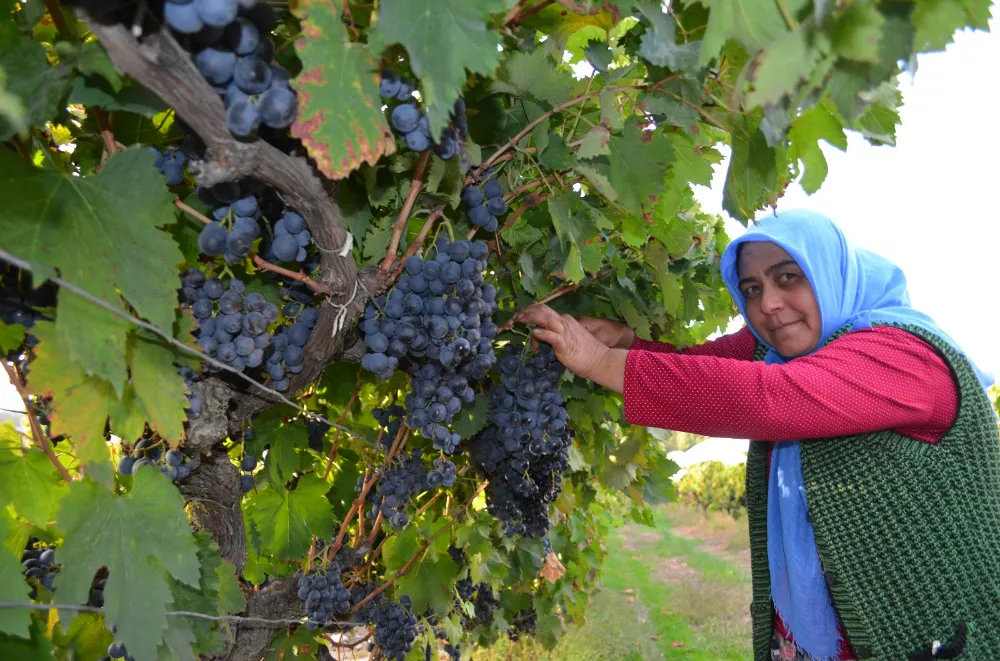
{"x":754,"y":255}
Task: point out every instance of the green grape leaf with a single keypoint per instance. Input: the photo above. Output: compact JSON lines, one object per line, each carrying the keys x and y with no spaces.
{"x":11,"y":336}
{"x":96,"y":91}
{"x":340,"y":118}
{"x":231,"y":597}
{"x":936,"y":22}
{"x":55,"y":220}
{"x":429,"y":584}
{"x":30,"y":483}
{"x":441,"y":64}
{"x":355,"y":208}
{"x":87,"y":636}
{"x":400,"y":548}
{"x":595,"y":143}
{"x":287,"y":520}
{"x":38,"y":648}
{"x":12,"y":586}
{"x":158,"y":384}
{"x":752,"y":171}
{"x":692,"y":164}
{"x":753,"y":24}
{"x":92,"y":59}
{"x":104,"y":529}
{"x":659,"y":44}
{"x":778,"y":68}
{"x":879,"y":120}
{"x":521,"y":234}
{"x":677,"y":101}
{"x":815,"y":124}
{"x":36,"y":83}
{"x":377,"y":240}
{"x":557,"y":155}
{"x":598,"y":54}
{"x":573,"y":268}
{"x":284,"y":440}
{"x":634,"y":318}
{"x":639,"y":162}
{"x":857,"y":33}
{"x":534,"y":74}
{"x":470,"y":420}
{"x":94,"y":337}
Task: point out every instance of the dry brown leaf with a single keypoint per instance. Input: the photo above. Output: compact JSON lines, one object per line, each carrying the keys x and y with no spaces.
{"x":552,"y":570}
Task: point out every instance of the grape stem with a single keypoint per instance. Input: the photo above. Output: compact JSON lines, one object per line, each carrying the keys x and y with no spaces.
{"x":110,"y":145}
{"x":417,"y":242}
{"x":340,"y":421}
{"x":561,"y":291}
{"x":559,"y":108}
{"x":36,"y":427}
{"x":57,"y":18}
{"x":416,"y":185}
{"x":259,"y":261}
{"x":533,"y":184}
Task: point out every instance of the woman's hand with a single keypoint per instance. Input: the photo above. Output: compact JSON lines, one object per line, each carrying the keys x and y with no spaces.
{"x":612,"y":334}
{"x":576,"y":347}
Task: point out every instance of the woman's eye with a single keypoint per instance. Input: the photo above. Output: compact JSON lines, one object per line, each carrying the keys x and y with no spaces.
{"x":751,"y":291}
{"x":788,"y":277}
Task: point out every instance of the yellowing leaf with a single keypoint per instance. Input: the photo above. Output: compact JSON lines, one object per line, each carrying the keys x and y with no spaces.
{"x":340,"y":118}
{"x":102,"y":233}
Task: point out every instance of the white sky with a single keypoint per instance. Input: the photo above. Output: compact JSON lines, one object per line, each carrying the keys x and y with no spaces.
{"x":929,"y":203}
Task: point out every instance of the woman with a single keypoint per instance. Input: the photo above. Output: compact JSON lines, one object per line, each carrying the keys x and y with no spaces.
{"x":873,"y":483}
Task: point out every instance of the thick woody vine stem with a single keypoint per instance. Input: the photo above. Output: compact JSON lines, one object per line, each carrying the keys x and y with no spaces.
{"x":159,"y":63}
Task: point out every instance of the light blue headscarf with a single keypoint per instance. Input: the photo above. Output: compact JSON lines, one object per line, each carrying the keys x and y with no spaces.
{"x":853,"y":287}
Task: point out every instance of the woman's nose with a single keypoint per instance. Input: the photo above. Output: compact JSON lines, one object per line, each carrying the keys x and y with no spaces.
{"x":771,"y":301}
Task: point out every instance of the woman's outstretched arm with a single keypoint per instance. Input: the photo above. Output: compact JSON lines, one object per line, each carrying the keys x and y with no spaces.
{"x":865,"y":381}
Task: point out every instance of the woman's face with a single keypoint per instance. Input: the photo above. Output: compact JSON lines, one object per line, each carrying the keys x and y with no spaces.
{"x":780,"y":303}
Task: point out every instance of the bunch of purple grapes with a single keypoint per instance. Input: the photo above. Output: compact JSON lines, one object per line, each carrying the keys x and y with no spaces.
{"x":438,"y":319}
{"x":170,"y":163}
{"x":233,"y":52}
{"x":324,"y":594}
{"x":236,"y":225}
{"x":485,"y":204}
{"x":413,"y":127}
{"x":525,"y":448}
{"x":247,"y":464}
{"x":146,"y":452}
{"x":405,"y":477}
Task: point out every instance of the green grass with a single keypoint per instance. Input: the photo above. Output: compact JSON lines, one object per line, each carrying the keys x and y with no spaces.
{"x":686,"y":603}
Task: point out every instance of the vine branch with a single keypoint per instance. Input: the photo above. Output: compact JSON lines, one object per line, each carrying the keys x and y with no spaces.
{"x":36,"y":428}
{"x":417,"y":242}
{"x":559,"y":291}
{"x":416,"y":185}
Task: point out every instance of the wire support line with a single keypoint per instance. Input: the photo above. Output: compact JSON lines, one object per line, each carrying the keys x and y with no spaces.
{"x":26,"y":266}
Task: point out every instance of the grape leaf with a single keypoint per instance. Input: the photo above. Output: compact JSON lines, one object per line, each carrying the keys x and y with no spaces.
{"x":677,"y":101}
{"x":659,"y":44}
{"x":104,"y":529}
{"x":158,"y":384}
{"x":441,"y":63}
{"x":598,"y":54}
{"x":470,"y":420}
{"x":11,"y":336}
{"x":12,"y":588}
{"x":778,"y":68}
{"x":521,"y":234}
{"x":400,"y":548}
{"x":377,"y":240}
{"x":634,"y":318}
{"x":429,"y":584}
{"x":879,"y":120}
{"x":534,"y":74}
{"x":111,"y":219}
{"x":753,"y":24}
{"x":752,"y":171}
{"x":95,"y":91}
{"x":39,"y":85}
{"x":639,"y":162}
{"x":692,"y":164}
{"x":91,"y":59}
{"x":287,"y":520}
{"x":815,"y":124}
{"x":38,"y":648}
{"x":595,"y":143}
{"x":936,"y":22}
{"x":340,"y":118}
{"x":857,"y":33}
{"x":573,"y":268}
{"x":29,"y":482}
{"x":557,"y":155}
{"x":284,"y":440}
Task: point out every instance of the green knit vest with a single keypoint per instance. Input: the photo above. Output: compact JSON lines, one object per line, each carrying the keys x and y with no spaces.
{"x":908,"y":532}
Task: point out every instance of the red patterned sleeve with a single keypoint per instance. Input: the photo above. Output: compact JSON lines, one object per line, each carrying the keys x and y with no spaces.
{"x":868,"y":380}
